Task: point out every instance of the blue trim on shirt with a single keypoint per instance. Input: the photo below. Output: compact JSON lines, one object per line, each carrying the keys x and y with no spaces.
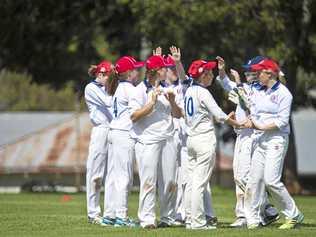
{"x":187,"y":81}
{"x":97,"y":83}
{"x":149,"y":86}
{"x":258,"y":86}
{"x":126,"y":81}
{"x":176,"y":82}
{"x":276,"y":85}
{"x":197,"y":84}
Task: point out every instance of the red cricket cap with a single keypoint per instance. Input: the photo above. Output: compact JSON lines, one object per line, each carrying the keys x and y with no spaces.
{"x":127,"y":63}
{"x":169,"y":60}
{"x":266,"y":64}
{"x":156,"y":62}
{"x":197,"y":67}
{"x":104,"y":66}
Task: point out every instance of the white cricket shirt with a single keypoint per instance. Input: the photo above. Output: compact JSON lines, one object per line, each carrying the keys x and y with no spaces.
{"x":199,"y":107}
{"x":156,"y":126}
{"x":273,"y":105}
{"x":99,"y":104}
{"x":121,"y":106}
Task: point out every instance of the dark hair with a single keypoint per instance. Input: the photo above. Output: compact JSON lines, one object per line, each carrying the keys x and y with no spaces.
{"x":112,"y":83}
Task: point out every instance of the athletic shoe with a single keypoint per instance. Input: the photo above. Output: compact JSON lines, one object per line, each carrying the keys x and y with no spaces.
{"x":149,"y":226}
{"x":240,"y":222}
{"x":204,"y":227}
{"x":270,"y":210}
{"x":254,"y":226}
{"x":163,"y":224}
{"x":175,"y":223}
{"x":120,"y":222}
{"x":188,"y":226}
{"x":107,"y":221}
{"x":292,"y":223}
{"x":270,"y":219}
{"x":211,"y":220}
{"x":95,"y":220}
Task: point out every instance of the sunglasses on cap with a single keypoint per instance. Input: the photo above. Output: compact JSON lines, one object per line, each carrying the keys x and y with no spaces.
{"x":103,"y":73}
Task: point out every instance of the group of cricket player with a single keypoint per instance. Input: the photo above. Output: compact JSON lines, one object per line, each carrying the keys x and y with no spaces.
{"x":164,"y":123}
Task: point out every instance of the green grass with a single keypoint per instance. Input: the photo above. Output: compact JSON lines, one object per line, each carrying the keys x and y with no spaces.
{"x":30,"y":214}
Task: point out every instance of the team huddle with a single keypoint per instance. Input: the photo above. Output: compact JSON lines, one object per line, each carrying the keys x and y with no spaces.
{"x":165,"y":124}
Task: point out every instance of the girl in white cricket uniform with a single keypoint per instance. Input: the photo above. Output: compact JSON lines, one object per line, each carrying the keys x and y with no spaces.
{"x":199,"y":108}
{"x":244,"y":142}
{"x":99,"y":104}
{"x":152,"y":113}
{"x":179,"y":82}
{"x":270,"y":118}
{"x":121,"y":150}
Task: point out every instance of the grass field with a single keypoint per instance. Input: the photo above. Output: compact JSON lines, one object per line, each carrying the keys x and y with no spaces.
{"x":30,"y":214}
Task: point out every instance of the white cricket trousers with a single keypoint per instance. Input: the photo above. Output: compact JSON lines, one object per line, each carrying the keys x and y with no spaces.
{"x":241,"y":169}
{"x":96,"y":169}
{"x":182,"y":178}
{"x":266,"y":167}
{"x":201,"y":160}
{"x":122,"y":155}
{"x":157,"y":165}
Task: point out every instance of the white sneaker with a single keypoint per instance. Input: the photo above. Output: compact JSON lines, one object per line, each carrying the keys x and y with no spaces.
{"x":204,"y":227}
{"x":95,"y":220}
{"x":240,"y":222}
{"x":188,"y":226}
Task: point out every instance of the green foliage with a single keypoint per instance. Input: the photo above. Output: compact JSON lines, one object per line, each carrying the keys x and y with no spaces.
{"x":19,"y":93}
{"x":56,"y":41}
{"x":305,"y":82}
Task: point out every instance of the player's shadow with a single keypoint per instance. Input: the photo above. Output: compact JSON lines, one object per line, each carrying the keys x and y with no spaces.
{"x":307,"y":225}
{"x":226,"y":225}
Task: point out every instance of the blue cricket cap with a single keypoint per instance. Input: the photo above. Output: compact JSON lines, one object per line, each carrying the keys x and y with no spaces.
{"x":252,"y":61}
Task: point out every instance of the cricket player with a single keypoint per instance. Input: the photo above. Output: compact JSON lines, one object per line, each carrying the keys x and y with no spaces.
{"x":200,"y":107}
{"x":99,"y":104}
{"x":152,"y":112}
{"x":179,"y":82}
{"x":244,"y":141}
{"x":121,"y":144}
{"x":270,"y":120}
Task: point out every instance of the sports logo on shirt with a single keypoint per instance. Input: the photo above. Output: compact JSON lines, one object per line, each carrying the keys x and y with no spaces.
{"x":274,"y":99}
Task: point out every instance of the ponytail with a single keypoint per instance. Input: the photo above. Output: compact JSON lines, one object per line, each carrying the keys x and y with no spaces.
{"x":112,"y":83}
{"x":92,"y":70}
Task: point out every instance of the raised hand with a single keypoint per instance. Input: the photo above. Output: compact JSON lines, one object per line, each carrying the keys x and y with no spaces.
{"x":221,"y":67}
{"x":175,"y":53}
{"x":157,"y":51}
{"x":235,"y":75}
{"x":220,"y":63}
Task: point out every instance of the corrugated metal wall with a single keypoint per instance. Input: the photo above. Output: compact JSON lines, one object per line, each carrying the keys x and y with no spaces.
{"x":62,"y":147}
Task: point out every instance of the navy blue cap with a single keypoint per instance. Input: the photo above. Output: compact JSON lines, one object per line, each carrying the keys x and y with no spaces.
{"x":253,"y":61}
